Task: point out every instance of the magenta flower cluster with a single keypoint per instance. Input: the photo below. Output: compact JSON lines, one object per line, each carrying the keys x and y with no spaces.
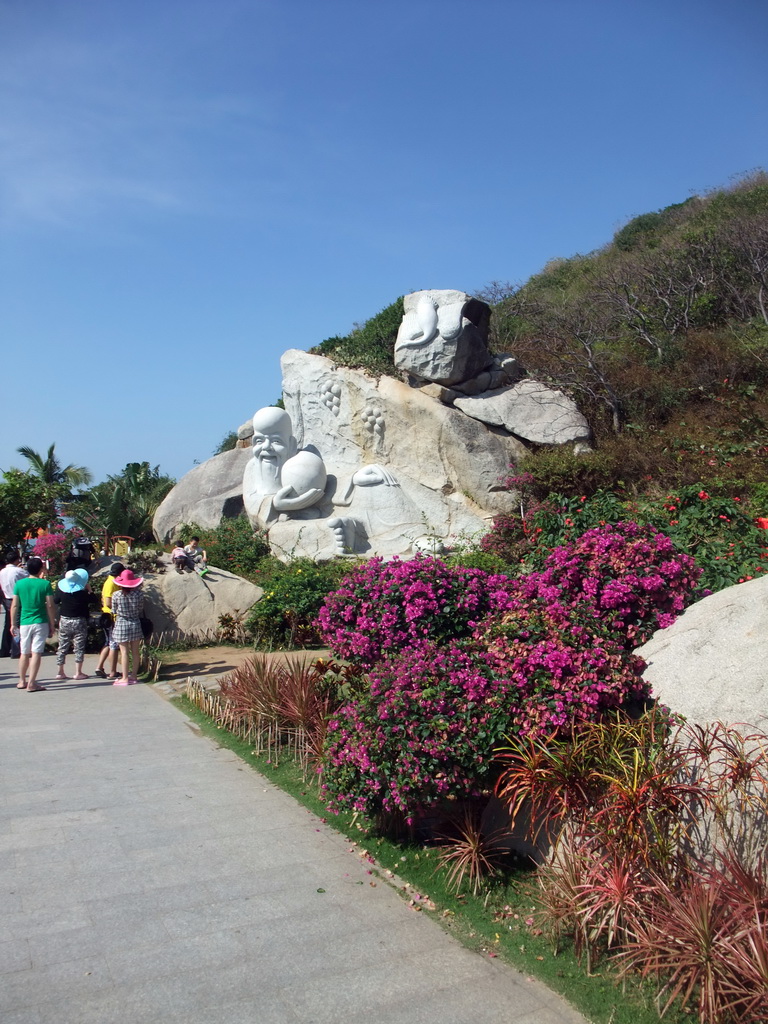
{"x":560,"y":676}
{"x":626,"y":580}
{"x":539,"y":652}
{"x":425,"y":731}
{"x":383,"y":607}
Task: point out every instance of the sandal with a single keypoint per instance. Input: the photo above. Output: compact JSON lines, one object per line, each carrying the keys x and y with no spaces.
{"x":100,"y":673}
{"x":35,"y":689}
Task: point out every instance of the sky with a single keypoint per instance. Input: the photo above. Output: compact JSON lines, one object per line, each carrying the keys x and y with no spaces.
{"x":190,"y":187}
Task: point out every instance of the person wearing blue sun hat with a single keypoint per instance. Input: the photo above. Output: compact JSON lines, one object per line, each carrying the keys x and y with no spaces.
{"x":71,"y":600}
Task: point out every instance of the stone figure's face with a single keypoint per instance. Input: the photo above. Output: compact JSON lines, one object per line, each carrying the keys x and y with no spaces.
{"x":271,"y":446}
{"x":272,"y":441}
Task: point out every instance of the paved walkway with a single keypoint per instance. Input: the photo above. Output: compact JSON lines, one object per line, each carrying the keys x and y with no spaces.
{"x":149,"y":877}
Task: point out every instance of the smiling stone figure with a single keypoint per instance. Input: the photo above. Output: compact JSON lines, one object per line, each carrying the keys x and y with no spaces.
{"x":293,"y":480}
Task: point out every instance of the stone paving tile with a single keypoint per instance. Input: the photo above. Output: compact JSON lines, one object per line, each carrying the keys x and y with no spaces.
{"x":49,"y":921}
{"x":199,"y":952}
{"x":268,"y":1009}
{"x":148,"y":876}
{"x":30,"y":1015}
{"x":14,"y":956}
{"x":217,"y":915}
{"x":153,"y":900}
{"x":70,"y":981}
{"x":359,"y":995}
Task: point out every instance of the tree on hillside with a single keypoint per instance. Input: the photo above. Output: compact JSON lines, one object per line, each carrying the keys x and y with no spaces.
{"x":227,"y":443}
{"x":26,"y":505}
{"x":124,"y":504}
{"x":625,"y":326}
{"x":51,"y":471}
{"x":571,"y":349}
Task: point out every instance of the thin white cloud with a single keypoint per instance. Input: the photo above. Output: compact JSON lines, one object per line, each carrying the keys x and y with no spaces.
{"x":87,"y":132}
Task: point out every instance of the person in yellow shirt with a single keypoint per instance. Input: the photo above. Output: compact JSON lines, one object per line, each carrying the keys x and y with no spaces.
{"x":111,"y":649}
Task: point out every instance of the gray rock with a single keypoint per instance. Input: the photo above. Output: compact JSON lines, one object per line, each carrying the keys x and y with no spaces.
{"x":511,"y":367}
{"x":245,"y":432}
{"x":443,"y":336}
{"x":418,"y":438}
{"x":207,"y":493}
{"x":444,"y":395}
{"x":711,"y":664}
{"x":192,"y":604}
{"x":529,"y":410}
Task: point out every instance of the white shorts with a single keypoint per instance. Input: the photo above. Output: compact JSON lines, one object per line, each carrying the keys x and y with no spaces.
{"x":33,"y":638}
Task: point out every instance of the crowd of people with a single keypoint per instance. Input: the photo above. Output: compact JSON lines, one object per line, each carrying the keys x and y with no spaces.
{"x":35,"y":610}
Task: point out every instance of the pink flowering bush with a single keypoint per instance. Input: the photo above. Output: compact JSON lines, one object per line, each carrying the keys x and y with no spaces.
{"x":556,"y":676}
{"x":429,"y":724}
{"x":626,"y":580}
{"x":545,"y":650}
{"x":424,"y":731}
{"x":382,"y":607}
{"x":53,"y":548}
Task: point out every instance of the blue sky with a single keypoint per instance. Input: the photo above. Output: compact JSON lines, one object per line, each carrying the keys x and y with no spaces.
{"x":189,"y":188}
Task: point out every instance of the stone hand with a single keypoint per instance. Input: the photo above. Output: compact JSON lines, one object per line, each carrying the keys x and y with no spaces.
{"x":286,"y":499}
{"x":368,"y":476}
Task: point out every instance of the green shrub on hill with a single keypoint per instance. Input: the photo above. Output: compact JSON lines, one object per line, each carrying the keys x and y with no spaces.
{"x":369,"y":347}
{"x":674,"y":305}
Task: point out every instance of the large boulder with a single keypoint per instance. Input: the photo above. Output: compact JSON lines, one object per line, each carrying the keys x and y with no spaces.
{"x":384,"y":466}
{"x":189,"y":603}
{"x":210,"y":491}
{"x":529,"y":410}
{"x":355,"y":420}
{"x":443,"y":336}
{"x":711,"y":664}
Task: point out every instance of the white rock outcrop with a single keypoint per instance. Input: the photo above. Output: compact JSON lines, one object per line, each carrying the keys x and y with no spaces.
{"x":530,"y":410}
{"x":401,"y":465}
{"x":711,"y":664}
{"x":190,"y":603}
{"x":384,"y":466}
{"x":443,"y":336}
{"x":205,"y":494}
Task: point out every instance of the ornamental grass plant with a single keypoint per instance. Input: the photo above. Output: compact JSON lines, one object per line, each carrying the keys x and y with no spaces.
{"x":280,"y":703}
{"x":658,"y":832}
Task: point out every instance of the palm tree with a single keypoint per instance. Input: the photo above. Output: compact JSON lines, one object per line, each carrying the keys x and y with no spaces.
{"x":50,"y":470}
{"x":124,"y":504}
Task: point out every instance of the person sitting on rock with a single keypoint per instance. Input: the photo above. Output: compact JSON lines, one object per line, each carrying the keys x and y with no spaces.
{"x":197,"y":559}
{"x":179,"y":557}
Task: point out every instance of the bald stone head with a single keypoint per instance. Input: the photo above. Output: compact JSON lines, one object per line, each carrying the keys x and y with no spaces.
{"x":272,"y":444}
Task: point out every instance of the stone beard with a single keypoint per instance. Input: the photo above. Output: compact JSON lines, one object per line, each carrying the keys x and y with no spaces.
{"x":273,"y":444}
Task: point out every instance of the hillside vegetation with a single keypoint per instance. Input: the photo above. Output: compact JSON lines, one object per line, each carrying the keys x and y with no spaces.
{"x":661,"y":337}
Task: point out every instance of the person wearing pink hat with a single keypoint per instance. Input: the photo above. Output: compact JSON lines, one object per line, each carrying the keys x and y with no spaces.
{"x":127,"y":606}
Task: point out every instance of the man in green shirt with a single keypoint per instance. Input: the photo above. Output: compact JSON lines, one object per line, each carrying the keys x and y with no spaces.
{"x":32,"y":615}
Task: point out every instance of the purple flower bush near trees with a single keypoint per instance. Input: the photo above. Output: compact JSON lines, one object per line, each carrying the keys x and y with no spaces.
{"x":425,"y":731}
{"x":458,"y":658}
{"x":628,"y":579}
{"x":382,"y":607}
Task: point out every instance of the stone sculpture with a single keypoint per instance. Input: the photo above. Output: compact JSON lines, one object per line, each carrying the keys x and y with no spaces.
{"x":443,"y":337}
{"x":286,"y":485}
{"x":403,"y":465}
{"x":292,"y":480}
